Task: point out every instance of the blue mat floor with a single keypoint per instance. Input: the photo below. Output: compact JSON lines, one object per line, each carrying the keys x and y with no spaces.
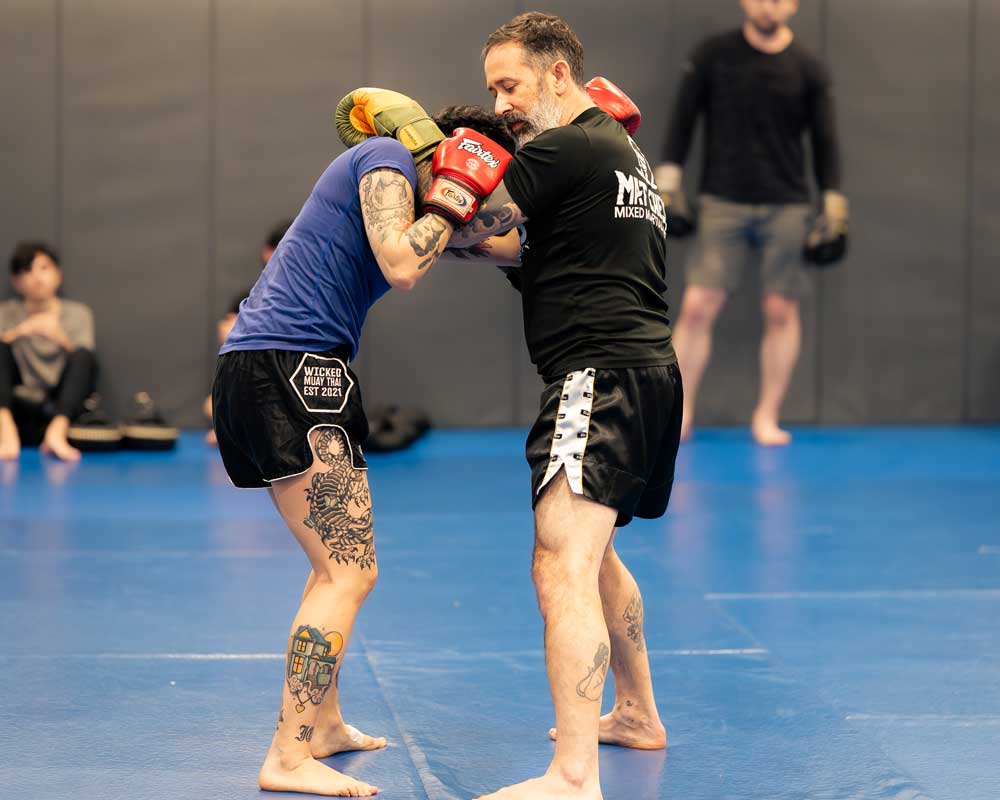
{"x":822,"y":623}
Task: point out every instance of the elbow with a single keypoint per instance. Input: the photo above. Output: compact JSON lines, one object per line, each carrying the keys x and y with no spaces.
{"x":403,"y":281}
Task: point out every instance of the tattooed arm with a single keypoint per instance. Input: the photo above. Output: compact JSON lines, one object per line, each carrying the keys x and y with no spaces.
{"x":500,"y":251}
{"x":497,"y":214}
{"x":405,"y":249}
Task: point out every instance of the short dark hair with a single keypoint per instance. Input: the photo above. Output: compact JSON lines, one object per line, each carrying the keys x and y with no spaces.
{"x":479,"y":119}
{"x":25,"y":252}
{"x":449,"y":119}
{"x":277,"y":233}
{"x":546,"y":39}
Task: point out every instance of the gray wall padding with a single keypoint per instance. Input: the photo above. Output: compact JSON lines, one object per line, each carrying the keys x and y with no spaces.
{"x":156,"y":144}
{"x":893,"y":317}
{"x":135,"y":210}
{"x":982,"y":369}
{"x":29,"y":85}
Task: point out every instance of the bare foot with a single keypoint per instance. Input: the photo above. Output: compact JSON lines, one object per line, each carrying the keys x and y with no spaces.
{"x":311,"y":777}
{"x":10,"y":441}
{"x":55,"y":443}
{"x":549,"y":787}
{"x":766,"y":432}
{"x":343,"y":739}
{"x":10,"y":447}
{"x":60,"y":448}
{"x":629,"y":730}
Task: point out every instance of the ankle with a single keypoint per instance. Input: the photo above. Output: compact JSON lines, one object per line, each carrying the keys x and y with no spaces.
{"x":287,"y":758}
{"x":576,"y":775}
{"x":635,"y":712}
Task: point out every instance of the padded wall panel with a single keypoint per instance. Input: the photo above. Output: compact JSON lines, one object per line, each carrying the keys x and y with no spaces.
{"x":893,"y":314}
{"x":134,"y":205}
{"x":983,"y":365}
{"x":29,"y":62}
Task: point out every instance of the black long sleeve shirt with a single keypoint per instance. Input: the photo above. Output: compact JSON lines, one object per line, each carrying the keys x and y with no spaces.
{"x":757,"y":107}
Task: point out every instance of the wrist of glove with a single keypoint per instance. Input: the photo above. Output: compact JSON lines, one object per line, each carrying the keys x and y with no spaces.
{"x":826,"y":241}
{"x":450,"y":198}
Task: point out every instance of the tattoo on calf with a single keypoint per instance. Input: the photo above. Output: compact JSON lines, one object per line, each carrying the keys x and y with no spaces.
{"x":305,"y":733}
{"x":634,"y":617}
{"x":312,"y":661}
{"x":339,"y":504}
{"x":592,"y":685}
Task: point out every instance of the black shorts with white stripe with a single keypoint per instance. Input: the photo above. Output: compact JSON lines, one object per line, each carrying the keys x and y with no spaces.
{"x":615,"y":432}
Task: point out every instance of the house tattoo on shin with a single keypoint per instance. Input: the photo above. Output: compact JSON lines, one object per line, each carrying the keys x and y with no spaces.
{"x":312,"y":660}
{"x":339,"y":504}
{"x":592,"y":685}
{"x":634,"y":617}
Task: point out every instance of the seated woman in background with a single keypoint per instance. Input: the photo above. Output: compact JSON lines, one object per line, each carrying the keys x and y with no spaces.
{"x":47,"y":349}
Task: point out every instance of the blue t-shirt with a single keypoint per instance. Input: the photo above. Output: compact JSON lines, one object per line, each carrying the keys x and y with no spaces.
{"x":317,"y":288}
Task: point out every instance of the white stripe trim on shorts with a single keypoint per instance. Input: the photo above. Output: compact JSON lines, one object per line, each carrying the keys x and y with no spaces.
{"x":572,"y":429}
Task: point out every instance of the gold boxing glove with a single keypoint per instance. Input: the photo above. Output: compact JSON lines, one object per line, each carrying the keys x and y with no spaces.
{"x":371,"y":112}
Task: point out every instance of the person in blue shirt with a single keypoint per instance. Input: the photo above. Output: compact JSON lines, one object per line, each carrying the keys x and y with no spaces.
{"x":287,"y":407}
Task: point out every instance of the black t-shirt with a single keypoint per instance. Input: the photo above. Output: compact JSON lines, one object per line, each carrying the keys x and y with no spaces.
{"x":593,"y":273}
{"x":757,"y":107}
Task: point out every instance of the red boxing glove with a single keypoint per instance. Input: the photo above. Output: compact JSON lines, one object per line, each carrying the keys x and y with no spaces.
{"x":614,"y":102}
{"x":467,"y":167}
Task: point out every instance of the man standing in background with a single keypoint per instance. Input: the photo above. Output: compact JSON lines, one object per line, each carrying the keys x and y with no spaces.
{"x":760,"y":91}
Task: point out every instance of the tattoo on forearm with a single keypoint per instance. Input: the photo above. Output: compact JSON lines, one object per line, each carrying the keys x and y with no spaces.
{"x":312,"y":660}
{"x":281,"y":718}
{"x":425,"y":235}
{"x":479,"y":250}
{"x":305,"y":733}
{"x":340,"y":505}
{"x":634,"y":617}
{"x":592,"y":685}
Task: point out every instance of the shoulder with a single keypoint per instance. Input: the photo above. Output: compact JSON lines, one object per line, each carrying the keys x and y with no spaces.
{"x":718,"y":44}
{"x":11,"y":308}
{"x":74,"y":308}
{"x":811,"y":65}
{"x":382,"y":152}
{"x":571,"y":136}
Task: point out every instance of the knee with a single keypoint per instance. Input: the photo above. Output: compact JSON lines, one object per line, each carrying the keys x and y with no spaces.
{"x":701,"y":307}
{"x":780,"y":311}
{"x":559,"y":573}
{"x":352,"y":581}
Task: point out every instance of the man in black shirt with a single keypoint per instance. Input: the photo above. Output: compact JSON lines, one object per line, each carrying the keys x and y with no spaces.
{"x":603,"y":447}
{"x":759,"y":92}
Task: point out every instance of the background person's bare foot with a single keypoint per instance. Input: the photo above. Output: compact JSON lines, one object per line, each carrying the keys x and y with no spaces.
{"x":55,"y":442}
{"x":10,"y":441}
{"x":625,"y":730}
{"x":342,"y":739}
{"x":766,"y":432}
{"x":311,"y":777}
{"x":547,"y":787}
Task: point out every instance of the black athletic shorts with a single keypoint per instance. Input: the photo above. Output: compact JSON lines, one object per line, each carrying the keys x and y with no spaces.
{"x":615,"y":432}
{"x":266,"y":402}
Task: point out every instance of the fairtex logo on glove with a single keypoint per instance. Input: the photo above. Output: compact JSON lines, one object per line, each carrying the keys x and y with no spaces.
{"x":474,"y":147}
